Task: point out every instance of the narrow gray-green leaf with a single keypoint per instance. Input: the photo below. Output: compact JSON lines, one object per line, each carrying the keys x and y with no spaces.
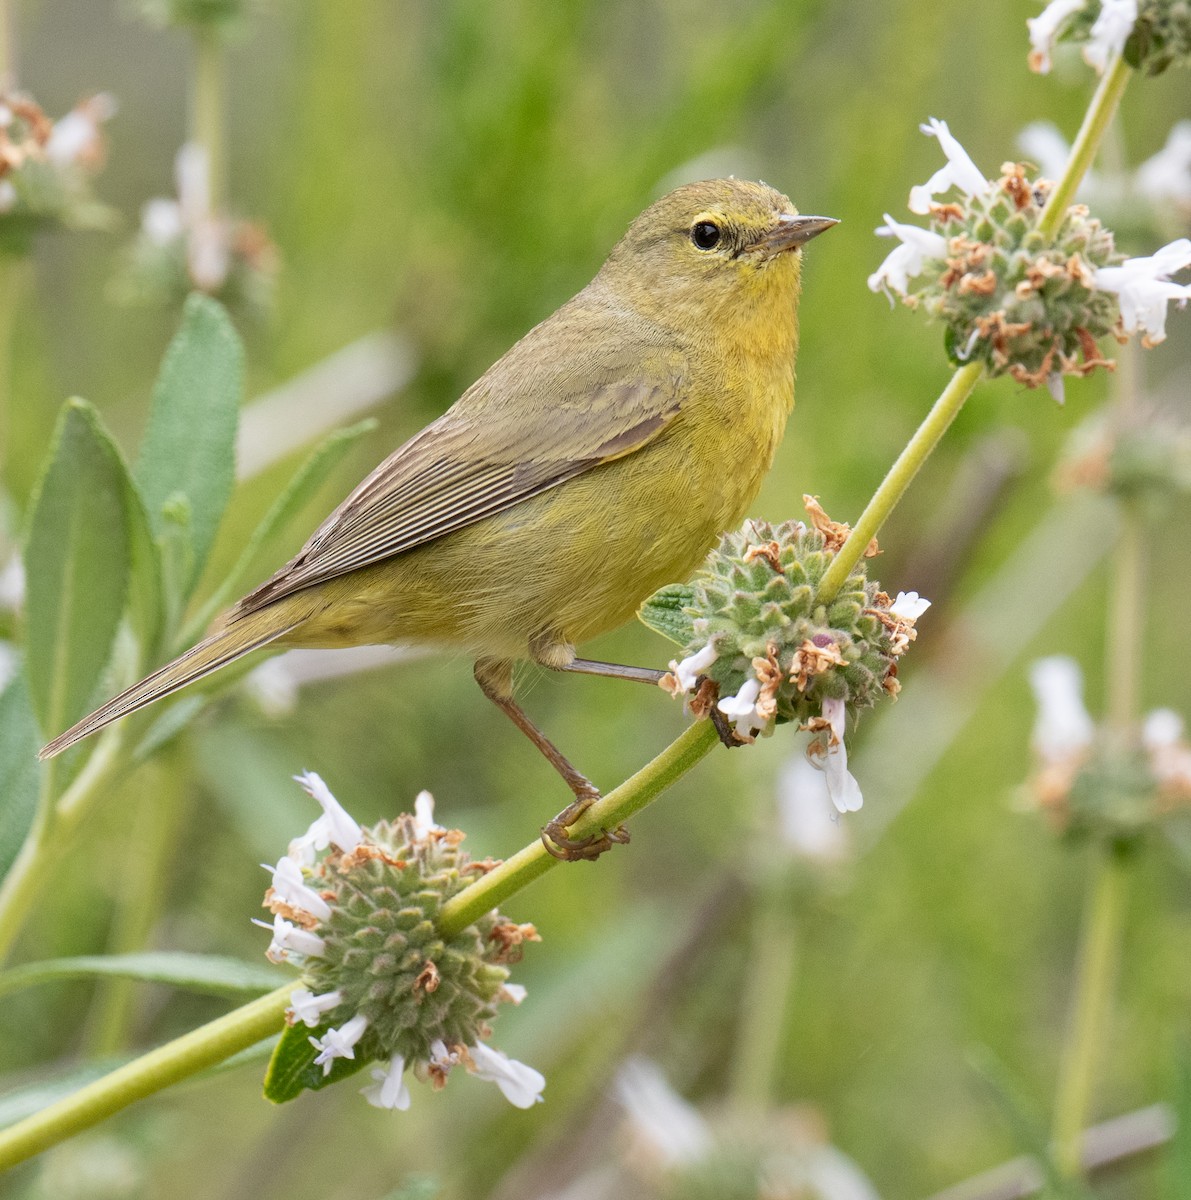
{"x":664,"y":612}
{"x":19,"y":774}
{"x":210,"y":973}
{"x":310,"y":476}
{"x":77,"y":563}
{"x":189,"y":445}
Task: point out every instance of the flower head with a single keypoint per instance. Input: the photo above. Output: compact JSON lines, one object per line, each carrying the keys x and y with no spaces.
{"x":358,"y":909}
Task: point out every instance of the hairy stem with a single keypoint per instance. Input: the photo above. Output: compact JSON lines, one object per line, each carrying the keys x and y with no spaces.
{"x":899,"y":478}
{"x":168,"y":1064}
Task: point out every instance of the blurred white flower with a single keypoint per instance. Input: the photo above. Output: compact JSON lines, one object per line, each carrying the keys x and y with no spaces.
{"x":1143,"y":288}
{"x":1166,"y":176}
{"x":77,"y":138}
{"x":273,"y":687}
{"x":1110,"y":32}
{"x":389,"y":1090}
{"x":671,"y":1130}
{"x":959,"y":170}
{"x":521,"y":1085}
{"x":1044,"y":29}
{"x":9,"y":661}
{"x":907,"y":259}
{"x":1169,"y":753}
{"x":1063,"y":728}
{"x":809,"y":823}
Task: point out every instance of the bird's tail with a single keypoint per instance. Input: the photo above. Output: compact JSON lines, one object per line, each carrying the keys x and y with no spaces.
{"x":236,"y":639}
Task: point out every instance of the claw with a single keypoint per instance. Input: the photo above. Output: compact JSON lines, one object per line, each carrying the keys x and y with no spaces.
{"x":559,"y":844}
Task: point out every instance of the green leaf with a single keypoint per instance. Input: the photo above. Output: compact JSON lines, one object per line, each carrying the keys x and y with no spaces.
{"x":19,"y":775}
{"x":663,"y":612}
{"x":310,"y":476}
{"x":189,"y":446}
{"x":77,"y":562}
{"x":292,"y":1071}
{"x":208,"y":973}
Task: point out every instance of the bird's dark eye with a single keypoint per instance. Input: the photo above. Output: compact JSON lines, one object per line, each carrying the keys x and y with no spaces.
{"x":706,"y":235}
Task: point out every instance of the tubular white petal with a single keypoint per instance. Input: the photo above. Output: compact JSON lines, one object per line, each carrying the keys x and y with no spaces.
{"x":521,"y":1085}
{"x":343,"y":831}
{"x":959,"y":171}
{"x":908,"y":259}
{"x":424,"y":814}
{"x":909,"y":606}
{"x":841,"y":784}
{"x":1163,"y":727}
{"x":689,"y":670}
{"x":289,"y":886}
{"x":660,"y":1116}
{"x":309,"y":1008}
{"x":389,"y":1090}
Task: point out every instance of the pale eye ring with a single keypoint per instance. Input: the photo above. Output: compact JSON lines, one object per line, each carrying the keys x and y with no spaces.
{"x":705,"y":235}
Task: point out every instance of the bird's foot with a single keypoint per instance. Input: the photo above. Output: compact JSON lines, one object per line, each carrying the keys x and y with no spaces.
{"x":561,"y":845}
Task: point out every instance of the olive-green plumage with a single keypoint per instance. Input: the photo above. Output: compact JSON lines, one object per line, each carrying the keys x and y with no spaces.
{"x":600,"y":458}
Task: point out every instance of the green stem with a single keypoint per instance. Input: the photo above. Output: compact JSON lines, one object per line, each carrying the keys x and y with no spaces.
{"x":54,"y":823}
{"x":206,"y":112}
{"x":616,"y":807}
{"x":1093,"y":1001}
{"x":1087,"y":142}
{"x":160,"y":1068}
{"x":772,"y":962}
{"x":901,"y":474}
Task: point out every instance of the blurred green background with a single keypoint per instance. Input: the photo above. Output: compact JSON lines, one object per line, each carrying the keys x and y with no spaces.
{"x":453,"y":170}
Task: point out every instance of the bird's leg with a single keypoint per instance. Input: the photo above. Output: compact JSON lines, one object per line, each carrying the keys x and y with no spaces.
{"x":588,"y":666}
{"x":494,"y":678}
{"x":651,"y":675}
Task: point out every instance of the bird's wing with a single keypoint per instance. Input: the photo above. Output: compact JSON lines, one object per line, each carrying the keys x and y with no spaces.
{"x":479,"y":458}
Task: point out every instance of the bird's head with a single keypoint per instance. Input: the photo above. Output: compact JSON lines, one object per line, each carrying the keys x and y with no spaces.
{"x":723,"y":249}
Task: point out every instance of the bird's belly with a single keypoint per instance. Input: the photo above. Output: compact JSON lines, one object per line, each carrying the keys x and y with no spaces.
{"x":563,"y":566}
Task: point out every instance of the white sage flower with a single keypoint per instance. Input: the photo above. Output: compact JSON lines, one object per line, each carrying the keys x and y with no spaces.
{"x":907,"y":259}
{"x":339,"y":1043}
{"x":521,"y":1085}
{"x":742,"y":708}
{"x":388,"y":1090}
{"x":832,"y":759}
{"x":1143,"y":288}
{"x":688,"y":671}
{"x":1110,"y":32}
{"x":342,"y":830}
{"x":959,"y":170}
{"x":1044,"y":31}
{"x":908,"y":606}
{"x":671,"y":1129}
